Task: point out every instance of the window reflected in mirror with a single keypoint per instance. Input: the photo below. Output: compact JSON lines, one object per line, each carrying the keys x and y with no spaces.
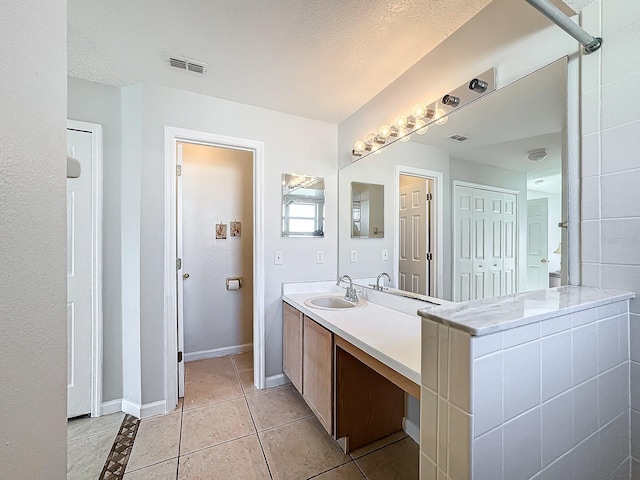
{"x":302,"y":206}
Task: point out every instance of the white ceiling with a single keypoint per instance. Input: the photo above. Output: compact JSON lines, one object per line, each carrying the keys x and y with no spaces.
{"x":320,"y":59}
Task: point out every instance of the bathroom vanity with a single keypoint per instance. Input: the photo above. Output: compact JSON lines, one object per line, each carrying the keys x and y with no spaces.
{"x":352,"y":366}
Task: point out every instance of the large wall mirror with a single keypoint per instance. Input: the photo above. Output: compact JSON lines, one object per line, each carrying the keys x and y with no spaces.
{"x":302,"y":206}
{"x":472,"y":207}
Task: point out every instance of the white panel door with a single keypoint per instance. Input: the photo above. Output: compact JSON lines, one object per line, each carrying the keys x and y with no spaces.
{"x":179,"y":272}
{"x":79,"y":277}
{"x":485,"y":242}
{"x":537,"y":244}
{"x":482,"y":246}
{"x":463,"y":244}
{"x":510,"y":244}
{"x":414,"y":238}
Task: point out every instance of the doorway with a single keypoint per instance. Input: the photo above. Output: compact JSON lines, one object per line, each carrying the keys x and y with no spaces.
{"x":215,"y":245}
{"x":419,"y":236}
{"x":84,"y":271}
{"x":174,"y":136}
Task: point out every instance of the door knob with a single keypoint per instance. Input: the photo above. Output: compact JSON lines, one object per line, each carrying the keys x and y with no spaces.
{"x":185,"y":275}
{"x":544,"y":260}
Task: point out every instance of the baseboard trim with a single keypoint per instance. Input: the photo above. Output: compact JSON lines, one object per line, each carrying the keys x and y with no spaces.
{"x":112,"y":406}
{"x":411,"y":429}
{"x":276,"y":380}
{"x":143,"y":411}
{"x":218,"y":352}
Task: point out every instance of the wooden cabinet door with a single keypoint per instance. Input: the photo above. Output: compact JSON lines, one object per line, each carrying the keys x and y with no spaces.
{"x":318,"y":368}
{"x":292,"y":331}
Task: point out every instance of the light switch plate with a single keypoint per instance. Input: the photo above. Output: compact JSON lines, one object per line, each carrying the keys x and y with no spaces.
{"x":278,"y":257}
{"x":354,"y":256}
{"x":319,"y":256}
{"x":385,"y":254}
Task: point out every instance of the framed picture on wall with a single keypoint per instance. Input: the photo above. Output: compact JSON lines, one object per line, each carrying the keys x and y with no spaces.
{"x":236,"y":229}
{"x":221,"y":231}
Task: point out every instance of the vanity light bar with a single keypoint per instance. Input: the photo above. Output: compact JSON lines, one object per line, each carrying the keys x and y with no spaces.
{"x":422,"y":115}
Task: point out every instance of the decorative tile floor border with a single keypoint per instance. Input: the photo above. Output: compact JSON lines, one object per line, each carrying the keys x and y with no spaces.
{"x":118,"y":457}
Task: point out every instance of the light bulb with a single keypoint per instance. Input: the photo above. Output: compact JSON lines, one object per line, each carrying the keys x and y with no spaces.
{"x":406,"y":138}
{"x":419,"y":110}
{"x":441,"y":117}
{"x":385,"y":131}
{"x":400,"y":121}
{"x":369,"y":138}
{"x":359,"y":146}
{"x":422,"y":127}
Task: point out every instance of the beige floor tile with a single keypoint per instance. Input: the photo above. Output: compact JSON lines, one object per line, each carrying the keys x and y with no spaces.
{"x":246,"y":379}
{"x":86,"y":456}
{"x":157,"y":440}
{"x":161,"y":471}
{"x":398,"y":461}
{"x":372,"y":447}
{"x":211,"y":390}
{"x":300,"y":450}
{"x":240,"y":459}
{"x":277,"y":406}
{"x":207,"y":368}
{"x":84,"y":427}
{"x":346,"y":472}
{"x":215,"y":424}
{"x":243,"y":361}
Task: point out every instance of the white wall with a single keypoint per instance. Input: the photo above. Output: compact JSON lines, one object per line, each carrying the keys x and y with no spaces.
{"x":292,"y":144}
{"x":33,"y":322}
{"x":610,"y":170}
{"x":217,"y":187}
{"x":98,"y":103}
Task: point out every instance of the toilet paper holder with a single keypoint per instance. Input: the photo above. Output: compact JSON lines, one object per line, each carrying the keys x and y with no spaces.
{"x":231,"y":283}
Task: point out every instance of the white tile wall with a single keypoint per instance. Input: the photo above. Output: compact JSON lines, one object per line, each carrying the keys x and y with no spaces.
{"x":620,"y":145}
{"x":540,"y":406}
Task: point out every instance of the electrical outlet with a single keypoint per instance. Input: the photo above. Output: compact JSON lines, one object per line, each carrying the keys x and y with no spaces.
{"x":319,"y":256}
{"x":354,"y":256}
{"x":278,"y":257}
{"x":385,"y":254}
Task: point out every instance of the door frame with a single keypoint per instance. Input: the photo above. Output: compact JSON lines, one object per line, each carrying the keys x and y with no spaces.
{"x":173,"y":135}
{"x":438,"y":224}
{"x":490,"y":188}
{"x":96,"y":260}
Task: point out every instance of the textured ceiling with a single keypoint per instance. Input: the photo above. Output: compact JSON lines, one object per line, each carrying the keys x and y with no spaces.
{"x":320,"y":59}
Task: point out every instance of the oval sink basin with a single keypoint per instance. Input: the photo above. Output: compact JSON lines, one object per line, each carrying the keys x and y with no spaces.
{"x":332,"y":302}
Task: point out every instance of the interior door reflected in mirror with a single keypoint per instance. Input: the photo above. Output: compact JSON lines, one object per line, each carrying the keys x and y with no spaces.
{"x":302,"y":206}
{"x":367,"y":210}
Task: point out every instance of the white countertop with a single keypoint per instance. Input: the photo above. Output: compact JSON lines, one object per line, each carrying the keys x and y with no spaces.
{"x":390,"y":336}
{"x":482,"y":317}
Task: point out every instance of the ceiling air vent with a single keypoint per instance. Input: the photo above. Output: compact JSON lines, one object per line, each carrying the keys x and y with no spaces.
{"x":186,"y":64}
{"x":459,"y":138}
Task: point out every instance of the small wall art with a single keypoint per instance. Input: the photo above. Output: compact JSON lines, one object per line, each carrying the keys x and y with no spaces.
{"x":236,"y":229}
{"x":221,"y":231}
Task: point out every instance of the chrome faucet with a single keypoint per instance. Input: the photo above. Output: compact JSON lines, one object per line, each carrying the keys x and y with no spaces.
{"x":351,"y":293}
{"x":378,"y":286}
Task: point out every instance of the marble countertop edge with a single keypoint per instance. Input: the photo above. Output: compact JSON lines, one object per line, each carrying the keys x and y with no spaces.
{"x":482,"y":317}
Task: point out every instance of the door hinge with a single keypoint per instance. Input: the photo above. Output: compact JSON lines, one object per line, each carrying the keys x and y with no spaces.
{"x":429,"y":256}
{"x":179,"y":357}
{"x":178,"y":170}
{"x":429,"y":197}
{"x":178,"y":263}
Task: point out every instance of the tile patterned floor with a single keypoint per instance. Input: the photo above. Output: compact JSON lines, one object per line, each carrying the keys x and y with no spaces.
{"x":226,"y":429}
